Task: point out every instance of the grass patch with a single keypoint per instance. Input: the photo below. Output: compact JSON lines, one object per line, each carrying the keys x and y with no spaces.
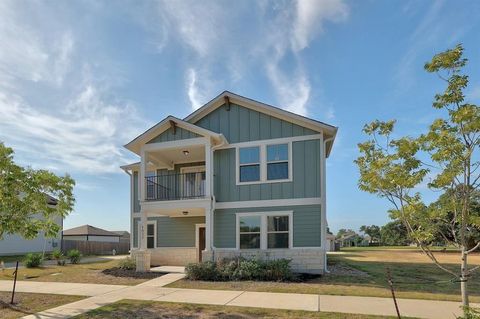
{"x":152,"y":309}
{"x":9,"y":259}
{"x":79,"y":273}
{"x":414,"y":277}
{"x":28,"y":303}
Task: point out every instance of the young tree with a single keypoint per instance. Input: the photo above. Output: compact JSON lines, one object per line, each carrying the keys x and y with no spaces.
{"x":392,"y":168}
{"x":24,"y":193}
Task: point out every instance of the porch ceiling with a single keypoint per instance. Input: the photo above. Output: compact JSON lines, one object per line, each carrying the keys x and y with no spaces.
{"x":177,"y":212}
{"x":178,"y":155}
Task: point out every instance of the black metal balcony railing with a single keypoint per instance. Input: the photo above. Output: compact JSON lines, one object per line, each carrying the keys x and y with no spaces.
{"x":175,"y":186}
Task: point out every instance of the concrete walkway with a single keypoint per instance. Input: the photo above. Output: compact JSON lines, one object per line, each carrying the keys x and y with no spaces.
{"x":154,"y":290}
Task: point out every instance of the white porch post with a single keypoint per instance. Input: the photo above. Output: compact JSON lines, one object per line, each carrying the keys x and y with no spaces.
{"x":208,"y":194}
{"x":142,"y":256}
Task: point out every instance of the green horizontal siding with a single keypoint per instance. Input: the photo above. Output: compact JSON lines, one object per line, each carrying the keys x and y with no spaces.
{"x":172,"y":231}
{"x":305,"y":183}
{"x":241,"y":124}
{"x":306,"y":225}
{"x":167,"y":136}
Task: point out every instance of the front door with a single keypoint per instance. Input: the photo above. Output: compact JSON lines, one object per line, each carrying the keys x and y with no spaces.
{"x":201,"y":242}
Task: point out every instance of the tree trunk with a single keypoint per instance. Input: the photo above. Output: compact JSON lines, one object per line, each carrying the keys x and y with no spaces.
{"x":463,"y":280}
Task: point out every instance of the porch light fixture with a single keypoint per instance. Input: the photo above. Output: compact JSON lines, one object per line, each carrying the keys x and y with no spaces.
{"x":186,"y":152}
{"x":185,"y":213}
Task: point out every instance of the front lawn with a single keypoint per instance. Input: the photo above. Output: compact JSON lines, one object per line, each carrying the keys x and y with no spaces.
{"x":79,"y":273}
{"x":28,"y":303}
{"x":361,"y":272}
{"x":156,"y":309}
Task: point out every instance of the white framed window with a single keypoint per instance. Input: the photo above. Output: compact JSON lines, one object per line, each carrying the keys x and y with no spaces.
{"x":265,"y":162}
{"x":265,"y":230}
{"x":249,"y":164}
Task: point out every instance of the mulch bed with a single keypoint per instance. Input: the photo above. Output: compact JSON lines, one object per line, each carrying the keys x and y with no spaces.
{"x":131,"y":273}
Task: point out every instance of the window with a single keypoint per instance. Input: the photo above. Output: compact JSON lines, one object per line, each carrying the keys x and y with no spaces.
{"x":249,"y":231}
{"x":150,"y":235}
{"x":270,"y":230}
{"x":265,"y":163}
{"x":277,"y":232}
{"x":277,"y":161}
{"x":249,"y":162}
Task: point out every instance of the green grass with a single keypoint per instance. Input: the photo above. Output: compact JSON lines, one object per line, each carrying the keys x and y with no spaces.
{"x":413,"y":276}
{"x":28,"y":303}
{"x":80,"y":273}
{"x":156,"y":309}
{"x":8,"y":259}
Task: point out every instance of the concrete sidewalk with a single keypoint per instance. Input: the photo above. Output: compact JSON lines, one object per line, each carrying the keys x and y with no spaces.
{"x":154,"y":290}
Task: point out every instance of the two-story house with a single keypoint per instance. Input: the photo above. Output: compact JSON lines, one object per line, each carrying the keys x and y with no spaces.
{"x":234,"y":178}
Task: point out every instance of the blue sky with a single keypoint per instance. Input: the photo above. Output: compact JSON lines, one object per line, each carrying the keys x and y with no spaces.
{"x":78,"y":79}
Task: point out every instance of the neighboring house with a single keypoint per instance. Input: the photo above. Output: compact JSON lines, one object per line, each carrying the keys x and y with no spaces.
{"x":90,"y":233}
{"x":124,"y":235}
{"x":352,"y":239}
{"x":234,"y":178}
{"x":17,"y":245}
{"x":330,"y":242}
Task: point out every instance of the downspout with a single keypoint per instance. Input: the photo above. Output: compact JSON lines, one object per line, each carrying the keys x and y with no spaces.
{"x":324,"y":198}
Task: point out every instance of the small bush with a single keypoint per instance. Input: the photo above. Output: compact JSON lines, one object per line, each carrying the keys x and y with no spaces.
{"x":57,"y":254}
{"x":74,"y":255}
{"x":241,"y":269}
{"x":33,"y":260}
{"x":202,"y":271}
{"x":127,"y":264}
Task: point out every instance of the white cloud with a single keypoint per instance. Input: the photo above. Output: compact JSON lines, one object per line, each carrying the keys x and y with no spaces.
{"x":310,"y":15}
{"x":85,"y":137}
{"x":55,"y":111}
{"x":231,"y":37}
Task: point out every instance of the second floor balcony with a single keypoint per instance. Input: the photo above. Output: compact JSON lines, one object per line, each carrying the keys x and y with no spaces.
{"x":175,"y":186}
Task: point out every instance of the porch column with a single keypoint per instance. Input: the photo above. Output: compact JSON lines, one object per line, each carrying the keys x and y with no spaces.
{"x":142,"y":255}
{"x":208,"y":169}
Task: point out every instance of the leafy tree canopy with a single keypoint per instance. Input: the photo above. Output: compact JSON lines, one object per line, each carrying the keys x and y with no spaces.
{"x":24,"y":198}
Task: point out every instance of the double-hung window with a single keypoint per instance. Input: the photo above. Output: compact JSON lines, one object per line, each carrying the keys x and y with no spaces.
{"x":249,"y":232}
{"x":264,"y":230}
{"x":249,"y":164}
{"x":277,"y":161}
{"x":265,"y":163}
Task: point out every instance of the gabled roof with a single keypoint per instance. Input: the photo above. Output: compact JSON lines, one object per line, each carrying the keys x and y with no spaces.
{"x":87,"y":230}
{"x":329,"y":130}
{"x":136,"y":144}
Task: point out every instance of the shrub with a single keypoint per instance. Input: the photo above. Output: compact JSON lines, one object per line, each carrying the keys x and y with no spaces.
{"x":57,"y":254}
{"x":74,"y":255}
{"x":33,"y":260}
{"x":202,"y":271}
{"x":241,"y":269}
{"x":127,"y":263}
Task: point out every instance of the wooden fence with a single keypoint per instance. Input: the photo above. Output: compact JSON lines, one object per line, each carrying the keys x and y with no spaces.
{"x":96,"y":247}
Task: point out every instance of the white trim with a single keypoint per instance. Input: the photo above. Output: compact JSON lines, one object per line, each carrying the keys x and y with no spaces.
{"x":260,"y":107}
{"x":264,"y":228}
{"x":263,"y":162}
{"x":174,"y":144}
{"x":270,"y":203}
{"x":279,"y":140}
{"x":136,"y":144}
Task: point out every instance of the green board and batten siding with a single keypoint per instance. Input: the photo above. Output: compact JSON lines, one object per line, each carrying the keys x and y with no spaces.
{"x":168,"y":136}
{"x":306,"y":225}
{"x":172,"y":232}
{"x":241,"y":124}
{"x":305,"y":184}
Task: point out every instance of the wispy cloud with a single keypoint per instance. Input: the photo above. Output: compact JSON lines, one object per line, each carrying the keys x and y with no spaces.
{"x":55,"y":110}
{"x":209,"y":31}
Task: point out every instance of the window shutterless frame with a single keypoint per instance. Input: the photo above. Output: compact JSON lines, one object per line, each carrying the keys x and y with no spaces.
{"x":264,"y":228}
{"x":263,"y":162}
